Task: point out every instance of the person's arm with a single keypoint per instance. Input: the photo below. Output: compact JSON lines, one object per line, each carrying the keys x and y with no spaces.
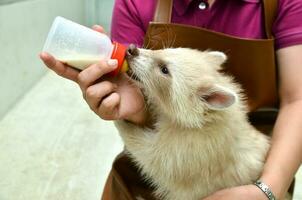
{"x":285,"y":155}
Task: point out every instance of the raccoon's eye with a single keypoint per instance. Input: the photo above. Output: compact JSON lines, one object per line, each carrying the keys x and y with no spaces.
{"x":164,"y":68}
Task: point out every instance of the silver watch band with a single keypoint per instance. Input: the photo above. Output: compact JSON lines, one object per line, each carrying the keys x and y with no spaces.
{"x":267,"y":191}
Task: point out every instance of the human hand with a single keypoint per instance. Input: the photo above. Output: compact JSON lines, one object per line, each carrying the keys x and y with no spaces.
{"x":246,"y":192}
{"x":111,"y":98}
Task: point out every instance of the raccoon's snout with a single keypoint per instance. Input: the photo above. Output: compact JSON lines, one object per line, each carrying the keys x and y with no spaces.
{"x":132,"y":51}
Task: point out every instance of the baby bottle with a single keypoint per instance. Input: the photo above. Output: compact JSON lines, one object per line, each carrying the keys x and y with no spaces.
{"x":79,"y":46}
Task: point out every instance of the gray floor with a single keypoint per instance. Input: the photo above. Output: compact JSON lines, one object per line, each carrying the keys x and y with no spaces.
{"x":53,"y":147}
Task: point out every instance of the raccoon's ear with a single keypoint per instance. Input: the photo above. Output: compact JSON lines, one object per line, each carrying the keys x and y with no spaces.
{"x":218,"y":97}
{"x":218,"y":57}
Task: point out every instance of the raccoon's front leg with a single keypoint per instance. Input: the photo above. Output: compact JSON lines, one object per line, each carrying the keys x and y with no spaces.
{"x":136,"y":139}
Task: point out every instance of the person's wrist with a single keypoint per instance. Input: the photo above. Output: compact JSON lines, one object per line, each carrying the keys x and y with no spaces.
{"x":275,"y":184}
{"x":256,"y":193}
{"x":265,"y":189}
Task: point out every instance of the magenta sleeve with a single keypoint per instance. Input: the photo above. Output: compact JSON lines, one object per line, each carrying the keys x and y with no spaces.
{"x":288,"y":25}
{"x":128,"y":21}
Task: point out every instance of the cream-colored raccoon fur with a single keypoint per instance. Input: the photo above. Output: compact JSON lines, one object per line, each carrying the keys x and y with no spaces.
{"x":202,"y":141}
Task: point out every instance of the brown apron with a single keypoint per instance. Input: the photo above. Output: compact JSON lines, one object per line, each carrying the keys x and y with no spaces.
{"x":250,"y":61}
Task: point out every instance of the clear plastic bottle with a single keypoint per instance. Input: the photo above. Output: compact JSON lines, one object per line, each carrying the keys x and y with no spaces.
{"x":79,"y":46}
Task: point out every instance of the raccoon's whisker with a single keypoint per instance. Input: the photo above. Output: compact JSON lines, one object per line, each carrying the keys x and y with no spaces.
{"x":132,"y":76}
{"x":147,"y":45}
{"x":171,"y":38}
{"x":173,"y":41}
{"x":168,"y":37}
{"x":152,"y":48}
{"x":167,"y":43}
{"x":163,"y":44}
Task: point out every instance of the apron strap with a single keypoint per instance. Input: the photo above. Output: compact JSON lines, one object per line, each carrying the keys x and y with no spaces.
{"x":270,"y":12}
{"x":163,"y":13}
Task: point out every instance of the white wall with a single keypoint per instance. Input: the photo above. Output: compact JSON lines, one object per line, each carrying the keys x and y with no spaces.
{"x":23,"y":29}
{"x":99,"y":12}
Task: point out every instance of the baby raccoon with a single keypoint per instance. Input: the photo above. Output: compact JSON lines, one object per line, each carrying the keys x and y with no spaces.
{"x":201,"y":141}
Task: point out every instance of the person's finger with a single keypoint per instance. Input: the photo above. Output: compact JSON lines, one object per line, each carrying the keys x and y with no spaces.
{"x":58,"y":67}
{"x":108,"y":109}
{"x":99,"y":28}
{"x":95,"y":93}
{"x":88,"y":76}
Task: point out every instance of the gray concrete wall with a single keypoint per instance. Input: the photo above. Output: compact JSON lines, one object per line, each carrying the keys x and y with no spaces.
{"x":23,"y":29}
{"x":99,"y":12}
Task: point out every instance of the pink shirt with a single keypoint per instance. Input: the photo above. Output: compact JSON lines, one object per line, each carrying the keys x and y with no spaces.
{"x":241,"y":18}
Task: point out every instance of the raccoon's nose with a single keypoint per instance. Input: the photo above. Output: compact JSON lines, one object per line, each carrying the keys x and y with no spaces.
{"x":132,"y":51}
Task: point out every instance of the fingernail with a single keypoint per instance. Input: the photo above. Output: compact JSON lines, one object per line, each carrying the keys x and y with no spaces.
{"x":42,"y":55}
{"x":112,"y":62}
{"x":95,"y":26}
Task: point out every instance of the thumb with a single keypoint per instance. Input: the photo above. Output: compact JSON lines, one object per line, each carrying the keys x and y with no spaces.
{"x":98,"y":28}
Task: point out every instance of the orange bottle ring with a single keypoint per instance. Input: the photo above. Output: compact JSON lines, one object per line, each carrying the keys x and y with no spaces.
{"x":118,"y":53}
